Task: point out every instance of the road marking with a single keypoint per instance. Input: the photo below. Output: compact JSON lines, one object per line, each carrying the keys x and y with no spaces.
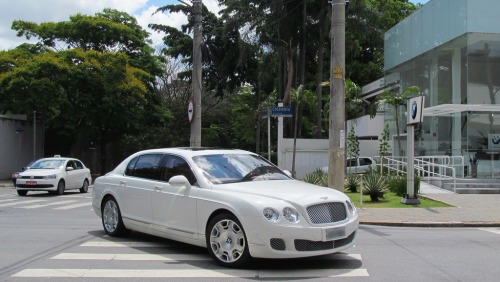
{"x":149,"y":257}
{"x":73,"y":206}
{"x":189,"y":273}
{"x":21,"y":203}
{"x":7,"y":200}
{"x":492,"y":230}
{"x":49,"y":204}
{"x":111,"y":244}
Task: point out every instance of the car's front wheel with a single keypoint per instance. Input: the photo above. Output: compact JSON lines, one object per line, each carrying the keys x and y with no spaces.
{"x":226,"y":241}
{"x":85,"y":187}
{"x":112,"y":218}
{"x":22,"y":192}
{"x":61,"y":186}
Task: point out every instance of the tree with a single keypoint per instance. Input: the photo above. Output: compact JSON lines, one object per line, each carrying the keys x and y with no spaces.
{"x":384,"y":145}
{"x":81,"y":92}
{"x":396,"y":101}
{"x":108,"y":31}
{"x":352,"y":147}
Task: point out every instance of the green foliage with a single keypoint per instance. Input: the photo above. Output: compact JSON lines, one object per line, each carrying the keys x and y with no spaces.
{"x":398,"y":184}
{"x":352,"y":146}
{"x":374,"y":185}
{"x":317,"y":177}
{"x":384,"y":145}
{"x":352,"y":182}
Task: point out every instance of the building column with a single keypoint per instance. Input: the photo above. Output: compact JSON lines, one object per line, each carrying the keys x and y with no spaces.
{"x":456,"y":76}
{"x":434,"y":91}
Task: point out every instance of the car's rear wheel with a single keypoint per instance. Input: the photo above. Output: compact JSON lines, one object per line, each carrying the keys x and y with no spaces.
{"x":226,"y":241}
{"x":112,"y":218}
{"x":61,"y":186}
{"x":22,"y":193}
{"x":85,"y":187}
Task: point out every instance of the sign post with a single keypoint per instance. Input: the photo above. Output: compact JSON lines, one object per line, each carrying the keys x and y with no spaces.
{"x":280,"y":112}
{"x":415,"y":116}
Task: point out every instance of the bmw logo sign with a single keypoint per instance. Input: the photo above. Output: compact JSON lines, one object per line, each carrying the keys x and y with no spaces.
{"x":414,"y":110}
{"x":495,"y":140}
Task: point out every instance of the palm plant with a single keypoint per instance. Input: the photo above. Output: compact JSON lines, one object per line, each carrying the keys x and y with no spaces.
{"x":374,"y":185}
{"x":352,"y":182}
{"x":396,"y":101}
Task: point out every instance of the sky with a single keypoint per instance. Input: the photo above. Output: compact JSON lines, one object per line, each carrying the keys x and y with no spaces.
{"x":39,"y":11}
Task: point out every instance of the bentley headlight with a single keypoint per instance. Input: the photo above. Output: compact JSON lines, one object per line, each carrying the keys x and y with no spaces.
{"x":271,"y":214}
{"x":52,"y":176}
{"x":350,"y":206}
{"x":291,"y":215}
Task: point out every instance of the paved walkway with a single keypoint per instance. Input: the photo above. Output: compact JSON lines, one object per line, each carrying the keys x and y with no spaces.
{"x":476,"y":210}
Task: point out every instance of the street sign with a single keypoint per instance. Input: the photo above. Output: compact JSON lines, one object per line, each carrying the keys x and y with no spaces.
{"x":266,"y":112}
{"x":282,"y":112}
{"x":415,"y":109}
{"x":190,"y":111}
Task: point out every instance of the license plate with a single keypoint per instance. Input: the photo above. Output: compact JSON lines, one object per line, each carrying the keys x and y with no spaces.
{"x":31,"y":183}
{"x":335,"y":233}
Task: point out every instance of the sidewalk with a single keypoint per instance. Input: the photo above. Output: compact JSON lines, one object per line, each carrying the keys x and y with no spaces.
{"x":470,"y":210}
{"x":476,"y":210}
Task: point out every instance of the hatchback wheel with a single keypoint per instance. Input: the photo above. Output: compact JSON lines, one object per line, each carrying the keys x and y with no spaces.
{"x":112,"y":218}
{"x":60,"y":187}
{"x":226,"y":241}
{"x":22,"y":192}
{"x":85,"y":187}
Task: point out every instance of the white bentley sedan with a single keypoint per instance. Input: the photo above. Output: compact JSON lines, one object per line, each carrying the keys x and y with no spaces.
{"x":233,"y":202}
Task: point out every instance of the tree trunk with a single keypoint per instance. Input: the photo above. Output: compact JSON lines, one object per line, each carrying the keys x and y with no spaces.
{"x":319,"y":89}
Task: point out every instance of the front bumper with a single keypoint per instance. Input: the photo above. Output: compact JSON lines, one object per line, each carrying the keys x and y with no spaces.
{"x":268,"y":240}
{"x":36,"y":184}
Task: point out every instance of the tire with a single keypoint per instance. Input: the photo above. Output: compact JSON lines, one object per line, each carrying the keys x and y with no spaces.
{"x":22,"y":192}
{"x":226,"y":241}
{"x":85,"y":187}
{"x":61,"y":186}
{"x":112,"y":218}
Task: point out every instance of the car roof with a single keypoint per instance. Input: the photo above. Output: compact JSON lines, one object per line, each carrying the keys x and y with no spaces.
{"x":192,"y":152}
{"x":57,"y":159}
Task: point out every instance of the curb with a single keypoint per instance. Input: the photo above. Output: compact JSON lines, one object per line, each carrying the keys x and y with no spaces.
{"x":431,"y":224}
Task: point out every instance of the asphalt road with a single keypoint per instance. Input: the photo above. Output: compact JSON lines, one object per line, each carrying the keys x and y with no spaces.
{"x":60,"y":238}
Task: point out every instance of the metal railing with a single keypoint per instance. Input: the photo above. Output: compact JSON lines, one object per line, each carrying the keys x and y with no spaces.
{"x":428,"y":167}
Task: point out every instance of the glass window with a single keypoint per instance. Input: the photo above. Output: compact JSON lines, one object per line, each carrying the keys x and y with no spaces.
{"x":146,"y":166}
{"x":365,"y":161}
{"x":173,"y":166}
{"x":230,"y":168}
{"x":351,"y":162}
{"x":78,"y":165}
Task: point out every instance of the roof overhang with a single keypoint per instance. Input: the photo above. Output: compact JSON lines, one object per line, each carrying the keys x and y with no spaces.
{"x":448,"y":109}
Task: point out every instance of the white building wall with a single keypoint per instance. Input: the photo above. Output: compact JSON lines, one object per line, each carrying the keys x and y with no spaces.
{"x":16,"y":149}
{"x":312,"y":154}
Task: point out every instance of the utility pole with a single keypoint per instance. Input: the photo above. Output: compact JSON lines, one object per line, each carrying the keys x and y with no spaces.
{"x":336,"y":148}
{"x":196,"y":75}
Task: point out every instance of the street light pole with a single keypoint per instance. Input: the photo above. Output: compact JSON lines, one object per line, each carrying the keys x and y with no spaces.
{"x":195,"y":139}
{"x":336,"y":148}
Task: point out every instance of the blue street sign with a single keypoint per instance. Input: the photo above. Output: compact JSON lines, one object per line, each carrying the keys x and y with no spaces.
{"x":282,"y":112}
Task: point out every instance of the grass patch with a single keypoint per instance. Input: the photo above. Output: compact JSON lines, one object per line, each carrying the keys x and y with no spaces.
{"x":391,"y":200}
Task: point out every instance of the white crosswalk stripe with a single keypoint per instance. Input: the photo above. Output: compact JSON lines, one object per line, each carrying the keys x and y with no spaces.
{"x":156,"y":254}
{"x":74,"y":206}
{"x":49,"y":204}
{"x":21,"y":203}
{"x":492,"y":230}
{"x":7,"y":200}
{"x":189,"y":273}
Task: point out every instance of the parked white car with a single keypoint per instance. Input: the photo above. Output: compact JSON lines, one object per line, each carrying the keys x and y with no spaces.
{"x":357,"y":165}
{"x":54,"y":175}
{"x":233,"y":202}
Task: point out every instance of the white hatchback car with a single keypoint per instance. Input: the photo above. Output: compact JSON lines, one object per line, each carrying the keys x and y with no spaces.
{"x":233,"y":202}
{"x":54,"y":175}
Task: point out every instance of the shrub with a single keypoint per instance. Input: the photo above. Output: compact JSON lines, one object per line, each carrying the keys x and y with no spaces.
{"x":352,"y":182}
{"x":397,"y":184}
{"x":317,"y":177}
{"x":374,"y":185}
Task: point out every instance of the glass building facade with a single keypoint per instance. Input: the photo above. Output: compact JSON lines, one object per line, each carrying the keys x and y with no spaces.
{"x":450,"y":49}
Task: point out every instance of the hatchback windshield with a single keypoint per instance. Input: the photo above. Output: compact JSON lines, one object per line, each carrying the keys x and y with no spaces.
{"x":47,"y":164}
{"x":230,"y":168}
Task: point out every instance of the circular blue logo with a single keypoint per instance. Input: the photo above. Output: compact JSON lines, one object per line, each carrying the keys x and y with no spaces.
{"x":414,"y":110}
{"x":495,"y":140}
